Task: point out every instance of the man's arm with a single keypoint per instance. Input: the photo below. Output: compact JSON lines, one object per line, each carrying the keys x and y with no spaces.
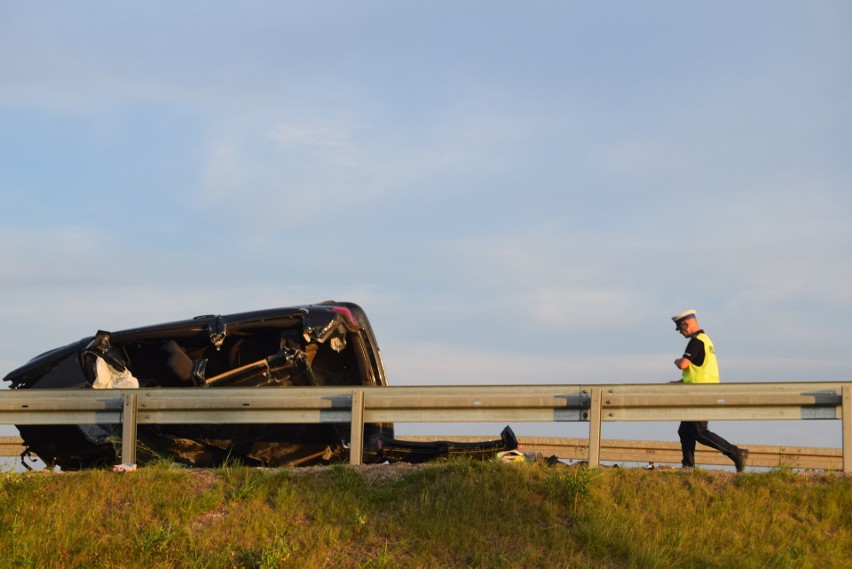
{"x":694,"y":353}
{"x":681,"y":363}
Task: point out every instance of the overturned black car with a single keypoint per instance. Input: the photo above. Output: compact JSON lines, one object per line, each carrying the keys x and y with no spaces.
{"x":326,"y":344}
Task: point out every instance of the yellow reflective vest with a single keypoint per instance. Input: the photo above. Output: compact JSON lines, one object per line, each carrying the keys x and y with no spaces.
{"x":708,"y":372}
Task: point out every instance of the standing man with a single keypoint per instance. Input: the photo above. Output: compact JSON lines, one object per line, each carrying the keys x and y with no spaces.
{"x":699,"y":366}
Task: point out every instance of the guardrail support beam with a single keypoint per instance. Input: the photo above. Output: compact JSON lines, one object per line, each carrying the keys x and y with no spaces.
{"x":356,"y":438}
{"x":846,"y":425}
{"x":128,"y":429}
{"x":595,"y":428}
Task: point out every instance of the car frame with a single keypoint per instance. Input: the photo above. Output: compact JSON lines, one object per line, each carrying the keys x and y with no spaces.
{"x":329,"y":343}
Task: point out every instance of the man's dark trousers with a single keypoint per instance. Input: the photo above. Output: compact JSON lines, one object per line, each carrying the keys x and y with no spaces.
{"x":691,"y":432}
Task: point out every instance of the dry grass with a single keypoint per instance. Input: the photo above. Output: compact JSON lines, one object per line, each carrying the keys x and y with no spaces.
{"x":457,"y":514}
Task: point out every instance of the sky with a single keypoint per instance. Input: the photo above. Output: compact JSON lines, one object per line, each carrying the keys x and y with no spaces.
{"x":516,"y":193}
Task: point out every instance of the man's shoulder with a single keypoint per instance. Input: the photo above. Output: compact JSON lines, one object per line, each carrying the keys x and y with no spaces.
{"x":695,"y":343}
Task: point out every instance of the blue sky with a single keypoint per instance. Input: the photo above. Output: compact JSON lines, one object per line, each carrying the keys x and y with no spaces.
{"x":515,"y":193}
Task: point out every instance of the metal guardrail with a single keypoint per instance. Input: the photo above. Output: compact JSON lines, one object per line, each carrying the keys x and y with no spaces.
{"x":11,"y":446}
{"x":620,"y":452}
{"x":594,"y":404}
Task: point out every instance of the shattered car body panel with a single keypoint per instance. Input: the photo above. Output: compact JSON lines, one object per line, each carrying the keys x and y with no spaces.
{"x":331,"y":344}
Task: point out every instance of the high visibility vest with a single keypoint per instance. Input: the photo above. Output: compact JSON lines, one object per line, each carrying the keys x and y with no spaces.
{"x":708,"y":372}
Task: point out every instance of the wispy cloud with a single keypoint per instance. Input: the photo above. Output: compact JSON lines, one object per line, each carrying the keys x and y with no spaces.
{"x":332,"y":141}
{"x":35,"y":255}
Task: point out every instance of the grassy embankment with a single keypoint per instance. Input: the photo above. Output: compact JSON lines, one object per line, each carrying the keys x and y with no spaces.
{"x":458,"y":514}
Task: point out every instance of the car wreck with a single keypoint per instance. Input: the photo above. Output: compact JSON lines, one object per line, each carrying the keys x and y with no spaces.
{"x":326,"y":344}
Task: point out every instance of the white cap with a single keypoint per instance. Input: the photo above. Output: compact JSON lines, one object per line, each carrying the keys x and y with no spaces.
{"x":683,"y":316}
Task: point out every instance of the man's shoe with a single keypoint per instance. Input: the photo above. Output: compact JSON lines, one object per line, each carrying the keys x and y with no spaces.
{"x":740,"y":459}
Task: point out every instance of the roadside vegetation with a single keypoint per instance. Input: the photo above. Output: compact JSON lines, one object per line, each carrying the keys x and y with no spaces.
{"x":456,"y":514}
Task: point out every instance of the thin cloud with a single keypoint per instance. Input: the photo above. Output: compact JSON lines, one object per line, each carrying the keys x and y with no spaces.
{"x":33,"y":256}
{"x":333,"y":141}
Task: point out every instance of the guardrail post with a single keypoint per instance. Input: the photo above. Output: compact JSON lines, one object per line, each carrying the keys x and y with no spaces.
{"x":128,"y":429}
{"x":356,"y":438}
{"x":595,"y":428}
{"x":846,"y":426}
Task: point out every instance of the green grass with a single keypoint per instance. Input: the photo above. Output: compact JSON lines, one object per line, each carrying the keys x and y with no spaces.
{"x":456,"y":514}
